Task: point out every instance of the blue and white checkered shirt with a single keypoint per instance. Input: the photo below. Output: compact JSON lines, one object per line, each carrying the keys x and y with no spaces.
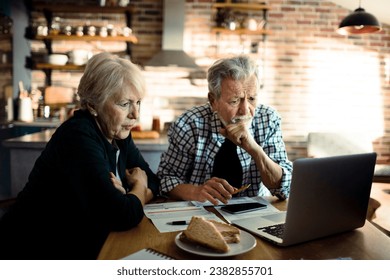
{"x":194,"y":140}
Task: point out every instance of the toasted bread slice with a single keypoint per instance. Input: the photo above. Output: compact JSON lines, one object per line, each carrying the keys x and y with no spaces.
{"x":205,"y":233}
{"x":230,"y":233}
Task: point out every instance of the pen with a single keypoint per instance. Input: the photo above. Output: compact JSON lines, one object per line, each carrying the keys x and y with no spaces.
{"x":177,"y":223}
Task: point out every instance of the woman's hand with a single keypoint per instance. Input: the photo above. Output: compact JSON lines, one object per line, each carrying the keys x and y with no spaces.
{"x":117,"y":183}
{"x":136,"y":177}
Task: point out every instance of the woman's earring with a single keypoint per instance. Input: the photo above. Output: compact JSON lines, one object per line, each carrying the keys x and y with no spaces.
{"x":92,"y":110}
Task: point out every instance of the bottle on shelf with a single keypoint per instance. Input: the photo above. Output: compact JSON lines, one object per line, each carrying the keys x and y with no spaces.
{"x":36,"y":96}
{"x":156,"y":125}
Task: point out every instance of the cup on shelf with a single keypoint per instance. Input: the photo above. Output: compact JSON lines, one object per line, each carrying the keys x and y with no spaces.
{"x":25,"y":113}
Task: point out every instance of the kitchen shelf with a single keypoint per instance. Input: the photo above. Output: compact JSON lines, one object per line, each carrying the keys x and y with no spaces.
{"x":5,"y":36}
{"x":48,"y":68}
{"x":227,"y":10}
{"x":132,"y":39}
{"x":242,"y":6}
{"x":6,"y":66}
{"x":66,"y":67}
{"x":66,"y":8}
{"x":241,"y":31}
{"x":50,"y":10}
{"x":228,"y":5}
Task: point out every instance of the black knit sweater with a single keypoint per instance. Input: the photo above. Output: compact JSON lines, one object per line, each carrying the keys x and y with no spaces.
{"x":69,"y":205}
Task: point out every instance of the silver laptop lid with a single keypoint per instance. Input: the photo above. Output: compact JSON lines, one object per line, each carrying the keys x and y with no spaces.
{"x":328,"y":195}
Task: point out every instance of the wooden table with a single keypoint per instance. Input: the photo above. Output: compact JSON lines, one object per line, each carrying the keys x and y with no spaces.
{"x":381,"y":192}
{"x":366,"y":243}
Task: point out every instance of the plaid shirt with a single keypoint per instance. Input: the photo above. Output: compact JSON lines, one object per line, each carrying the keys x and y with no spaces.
{"x":194,"y":141}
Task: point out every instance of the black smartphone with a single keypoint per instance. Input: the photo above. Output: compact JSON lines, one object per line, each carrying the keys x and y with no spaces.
{"x":244,"y":207}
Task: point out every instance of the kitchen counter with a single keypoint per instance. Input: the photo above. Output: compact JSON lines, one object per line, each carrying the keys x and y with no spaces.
{"x":39,"y":140}
{"x":36,"y":140}
{"x":15,"y":129}
{"x":24,"y":151}
{"x":54,"y":123}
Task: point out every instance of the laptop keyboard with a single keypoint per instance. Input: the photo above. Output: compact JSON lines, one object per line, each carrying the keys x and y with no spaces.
{"x":275,"y":230}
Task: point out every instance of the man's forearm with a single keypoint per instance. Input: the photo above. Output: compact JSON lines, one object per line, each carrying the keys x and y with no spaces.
{"x":183,"y":192}
{"x":271,"y":172}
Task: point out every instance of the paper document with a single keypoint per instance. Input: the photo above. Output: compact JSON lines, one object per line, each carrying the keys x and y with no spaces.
{"x":163,"y":214}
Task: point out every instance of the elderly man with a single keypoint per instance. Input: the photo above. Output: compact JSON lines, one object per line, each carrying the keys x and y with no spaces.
{"x":228,"y":142}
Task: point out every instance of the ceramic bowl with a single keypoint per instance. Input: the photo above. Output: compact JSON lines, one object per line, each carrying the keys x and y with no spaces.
{"x":57,"y":59}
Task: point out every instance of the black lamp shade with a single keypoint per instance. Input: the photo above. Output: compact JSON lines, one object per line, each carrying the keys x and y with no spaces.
{"x":359,"y":22}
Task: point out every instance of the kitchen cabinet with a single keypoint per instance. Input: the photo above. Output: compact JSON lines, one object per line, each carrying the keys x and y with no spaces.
{"x":67,"y":11}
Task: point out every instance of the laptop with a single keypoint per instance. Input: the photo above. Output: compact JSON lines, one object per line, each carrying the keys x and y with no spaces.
{"x":327,"y":196}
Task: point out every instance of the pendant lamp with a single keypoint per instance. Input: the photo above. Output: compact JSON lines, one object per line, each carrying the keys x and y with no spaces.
{"x":359,"y":22}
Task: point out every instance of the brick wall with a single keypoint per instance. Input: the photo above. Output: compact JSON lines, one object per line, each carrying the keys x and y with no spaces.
{"x":317,"y":80}
{"x":321,"y":81}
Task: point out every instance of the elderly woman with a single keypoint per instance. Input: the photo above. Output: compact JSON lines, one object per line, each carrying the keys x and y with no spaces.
{"x":91,"y":178}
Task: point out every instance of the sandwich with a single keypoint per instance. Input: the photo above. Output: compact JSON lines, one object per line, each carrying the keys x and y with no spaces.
{"x":230,"y":233}
{"x":211,"y":234}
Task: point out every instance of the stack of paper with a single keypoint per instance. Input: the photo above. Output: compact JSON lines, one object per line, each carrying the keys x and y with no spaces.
{"x":163,"y":214}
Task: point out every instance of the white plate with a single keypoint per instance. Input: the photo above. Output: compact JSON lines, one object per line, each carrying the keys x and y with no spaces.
{"x":247,"y":243}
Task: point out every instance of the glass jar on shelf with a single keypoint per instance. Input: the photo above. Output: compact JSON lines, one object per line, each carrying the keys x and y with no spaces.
{"x":55,"y":27}
{"x":231,"y":22}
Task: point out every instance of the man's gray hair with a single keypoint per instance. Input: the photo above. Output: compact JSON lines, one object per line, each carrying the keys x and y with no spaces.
{"x":237,"y":68}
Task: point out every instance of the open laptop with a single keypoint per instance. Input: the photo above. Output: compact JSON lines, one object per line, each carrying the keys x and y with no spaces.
{"x":328,"y":195}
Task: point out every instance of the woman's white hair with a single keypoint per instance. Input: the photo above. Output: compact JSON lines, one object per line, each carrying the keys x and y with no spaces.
{"x":105,"y":75}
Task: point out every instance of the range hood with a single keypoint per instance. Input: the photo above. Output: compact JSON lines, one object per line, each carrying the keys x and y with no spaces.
{"x":172,"y":54}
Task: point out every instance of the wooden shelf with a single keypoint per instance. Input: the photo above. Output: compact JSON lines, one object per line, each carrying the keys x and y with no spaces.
{"x":242,"y":6}
{"x":228,"y":5}
{"x":240,"y":31}
{"x":6,"y":66}
{"x":66,"y":67}
{"x":50,"y":9}
{"x":64,"y":8}
{"x":5,"y":36}
{"x":226,"y":10}
{"x":132,"y":39}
